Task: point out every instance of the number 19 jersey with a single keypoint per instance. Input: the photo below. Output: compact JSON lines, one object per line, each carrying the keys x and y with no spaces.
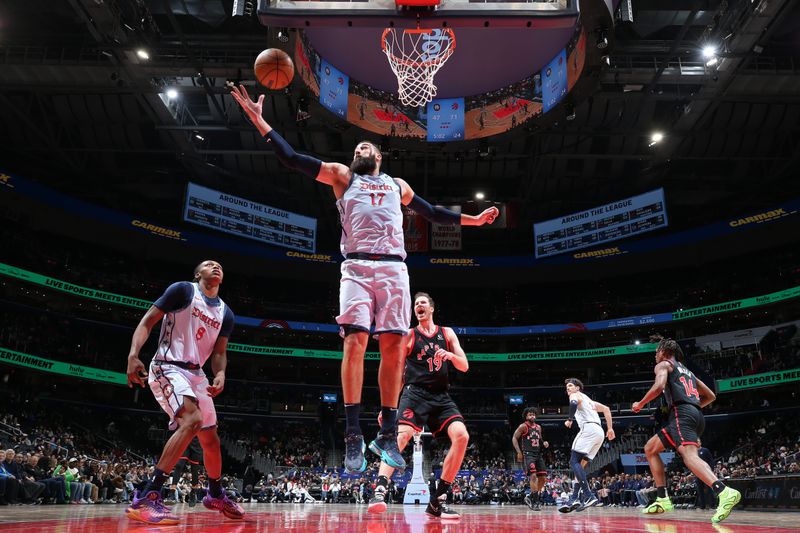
{"x":423,"y":367}
{"x":371,"y":216}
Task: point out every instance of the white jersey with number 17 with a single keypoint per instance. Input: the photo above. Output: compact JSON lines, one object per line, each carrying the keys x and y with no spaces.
{"x":371,"y":216}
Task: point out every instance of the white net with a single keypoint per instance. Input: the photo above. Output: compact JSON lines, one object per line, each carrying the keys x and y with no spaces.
{"x":415,"y":57}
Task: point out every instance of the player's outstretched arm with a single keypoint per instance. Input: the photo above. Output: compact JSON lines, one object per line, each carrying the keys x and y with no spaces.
{"x":662,"y":373}
{"x":440,"y":215}
{"x":706,"y":394}
{"x":334,"y":174}
{"x":136,"y":372}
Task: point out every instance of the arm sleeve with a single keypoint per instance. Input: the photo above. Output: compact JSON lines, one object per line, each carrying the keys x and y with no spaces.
{"x":304,"y":164}
{"x":227,"y":323}
{"x":573,"y":408}
{"x":176,"y":297}
{"x":437,"y":214}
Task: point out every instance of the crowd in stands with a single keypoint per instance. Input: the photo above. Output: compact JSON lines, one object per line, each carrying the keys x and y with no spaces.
{"x":48,"y":460}
{"x":106,"y":269}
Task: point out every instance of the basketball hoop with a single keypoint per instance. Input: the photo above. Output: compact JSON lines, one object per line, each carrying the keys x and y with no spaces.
{"x":416,"y":55}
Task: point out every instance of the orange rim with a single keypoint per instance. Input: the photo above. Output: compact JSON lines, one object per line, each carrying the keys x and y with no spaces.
{"x":446,"y":55}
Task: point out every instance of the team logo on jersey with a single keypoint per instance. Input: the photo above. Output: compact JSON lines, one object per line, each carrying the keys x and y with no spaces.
{"x":408,"y":414}
{"x":168,"y":390}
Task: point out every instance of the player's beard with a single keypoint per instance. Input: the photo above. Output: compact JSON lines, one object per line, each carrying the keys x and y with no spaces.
{"x":364,"y":165}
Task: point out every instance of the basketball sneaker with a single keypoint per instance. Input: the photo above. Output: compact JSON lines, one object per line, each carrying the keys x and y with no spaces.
{"x":224,"y":505}
{"x":150,"y":509}
{"x":570,"y":505}
{"x":661,"y":505}
{"x":438,"y":509}
{"x":354,"y":461}
{"x":590,"y":502}
{"x":385,"y":445}
{"x":529,"y":502}
{"x":728,"y":499}
{"x":377,"y":504}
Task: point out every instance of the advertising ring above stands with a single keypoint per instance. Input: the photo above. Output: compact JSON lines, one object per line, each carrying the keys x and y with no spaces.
{"x":446,"y":70}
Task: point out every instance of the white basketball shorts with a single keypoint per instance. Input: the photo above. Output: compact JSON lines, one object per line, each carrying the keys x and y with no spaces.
{"x":171,"y":383}
{"x":375,"y":291}
{"x":589,"y":439}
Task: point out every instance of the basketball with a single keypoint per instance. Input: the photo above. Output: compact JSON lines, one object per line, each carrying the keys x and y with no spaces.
{"x":274,"y":68}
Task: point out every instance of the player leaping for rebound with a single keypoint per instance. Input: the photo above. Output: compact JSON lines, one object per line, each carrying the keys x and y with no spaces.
{"x":374,"y":285}
{"x":430,"y":352}
{"x":686,"y":396}
{"x":530,"y":453}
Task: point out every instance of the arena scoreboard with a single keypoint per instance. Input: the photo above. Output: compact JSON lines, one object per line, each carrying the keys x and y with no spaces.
{"x":605,"y":223}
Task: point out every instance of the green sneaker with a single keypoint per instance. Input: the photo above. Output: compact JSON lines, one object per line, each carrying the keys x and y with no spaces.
{"x":728,"y":499}
{"x":661,"y":505}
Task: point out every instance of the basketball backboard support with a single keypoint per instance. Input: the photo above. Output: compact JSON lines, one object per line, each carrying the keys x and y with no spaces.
{"x":449,"y":13}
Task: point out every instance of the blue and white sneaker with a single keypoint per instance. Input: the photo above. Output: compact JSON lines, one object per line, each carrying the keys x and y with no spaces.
{"x":569,"y":506}
{"x":385,"y":445}
{"x":354,"y":448}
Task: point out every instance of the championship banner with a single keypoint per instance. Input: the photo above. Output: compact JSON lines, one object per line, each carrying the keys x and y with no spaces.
{"x":446,"y":237}
{"x":12,"y":357}
{"x":415,"y":231}
{"x":767,"y":379}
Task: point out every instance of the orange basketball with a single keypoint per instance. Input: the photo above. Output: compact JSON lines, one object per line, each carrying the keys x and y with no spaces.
{"x":274,"y":68}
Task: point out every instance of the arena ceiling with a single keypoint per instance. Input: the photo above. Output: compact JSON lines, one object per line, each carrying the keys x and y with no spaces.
{"x":82,"y":112}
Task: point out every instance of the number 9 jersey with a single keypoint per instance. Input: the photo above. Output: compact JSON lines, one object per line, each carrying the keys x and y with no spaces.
{"x":423,"y":367}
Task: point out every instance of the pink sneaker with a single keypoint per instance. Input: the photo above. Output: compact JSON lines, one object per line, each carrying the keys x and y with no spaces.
{"x":150,"y":509}
{"x":224,"y":505}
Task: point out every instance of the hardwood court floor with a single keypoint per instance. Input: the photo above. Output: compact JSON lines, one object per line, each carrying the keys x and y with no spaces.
{"x":398,"y":519}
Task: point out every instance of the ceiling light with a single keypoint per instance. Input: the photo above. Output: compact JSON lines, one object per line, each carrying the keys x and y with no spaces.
{"x":172,"y":94}
{"x":655,"y":138}
{"x":479,"y":196}
{"x":709,"y":51}
{"x":142,"y":53}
